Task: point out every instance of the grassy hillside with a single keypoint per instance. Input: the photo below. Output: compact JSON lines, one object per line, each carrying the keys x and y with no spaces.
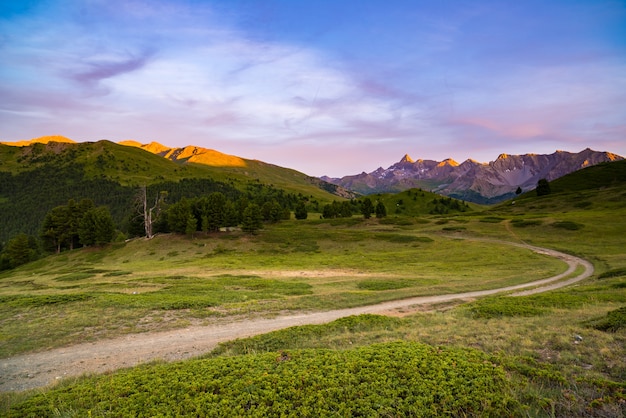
{"x":36,"y":178}
{"x":418,"y":202}
{"x":555,"y":354}
{"x":132,"y":166}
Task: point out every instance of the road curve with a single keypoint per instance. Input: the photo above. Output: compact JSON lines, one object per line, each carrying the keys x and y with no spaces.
{"x":34,"y":370}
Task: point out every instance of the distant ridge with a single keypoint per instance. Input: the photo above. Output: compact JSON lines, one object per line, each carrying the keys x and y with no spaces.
{"x":473,"y":181}
{"x":40,"y":140}
{"x":190,"y":154}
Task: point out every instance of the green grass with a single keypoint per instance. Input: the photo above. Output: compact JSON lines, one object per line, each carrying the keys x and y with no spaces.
{"x":291,"y":266}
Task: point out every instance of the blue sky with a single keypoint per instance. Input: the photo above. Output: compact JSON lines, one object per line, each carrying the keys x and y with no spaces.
{"x":325,"y":87}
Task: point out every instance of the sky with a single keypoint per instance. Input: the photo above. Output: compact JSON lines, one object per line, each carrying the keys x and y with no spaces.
{"x":326,"y":87}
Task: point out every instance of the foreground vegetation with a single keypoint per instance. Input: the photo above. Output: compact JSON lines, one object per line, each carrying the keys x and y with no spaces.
{"x":555,"y":354}
{"x":386,"y":379}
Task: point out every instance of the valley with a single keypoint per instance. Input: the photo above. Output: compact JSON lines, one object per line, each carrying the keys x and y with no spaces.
{"x":432,"y":280}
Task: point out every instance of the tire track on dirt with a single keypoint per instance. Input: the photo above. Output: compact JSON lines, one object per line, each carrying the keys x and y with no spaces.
{"x":29,"y":371}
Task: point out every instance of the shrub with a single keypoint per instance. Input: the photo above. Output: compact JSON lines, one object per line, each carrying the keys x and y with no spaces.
{"x":399,"y":238}
{"x":492,"y":219}
{"x":401,"y":221}
{"x":41,"y":300}
{"x":612,"y":322}
{"x":613,"y":273}
{"x":503,"y":307}
{"x":392,"y":379}
{"x":570,"y":226}
{"x":453,"y":228}
{"x":522,"y":223}
{"x":74,"y":277}
{"x":388,"y":284}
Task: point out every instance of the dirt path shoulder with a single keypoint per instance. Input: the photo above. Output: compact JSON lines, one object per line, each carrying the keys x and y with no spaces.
{"x":45,"y":368}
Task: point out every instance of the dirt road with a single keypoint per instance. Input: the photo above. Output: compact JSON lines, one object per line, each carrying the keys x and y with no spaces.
{"x":40,"y":369}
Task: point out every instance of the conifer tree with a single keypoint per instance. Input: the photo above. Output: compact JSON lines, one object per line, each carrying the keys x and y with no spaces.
{"x":96,"y":227}
{"x":381,"y":211}
{"x":301,"y":212}
{"x":367,"y":207}
{"x":252,"y":218}
{"x":19,"y":250}
{"x":543,"y":187}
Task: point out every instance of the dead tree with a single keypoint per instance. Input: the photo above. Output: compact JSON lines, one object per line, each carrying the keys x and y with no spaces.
{"x":149,"y":214}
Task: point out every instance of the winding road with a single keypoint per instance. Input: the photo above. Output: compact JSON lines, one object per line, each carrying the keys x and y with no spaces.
{"x":40,"y":369}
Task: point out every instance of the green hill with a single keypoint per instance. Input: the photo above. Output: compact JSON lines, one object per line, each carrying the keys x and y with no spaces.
{"x":602,"y":186}
{"x":418,"y":202}
{"x":36,"y":177}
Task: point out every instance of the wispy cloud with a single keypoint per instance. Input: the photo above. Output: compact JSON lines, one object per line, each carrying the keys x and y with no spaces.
{"x":96,"y":70}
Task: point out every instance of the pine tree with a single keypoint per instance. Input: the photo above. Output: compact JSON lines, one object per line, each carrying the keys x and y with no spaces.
{"x":96,"y":227}
{"x":381,"y":211}
{"x":252,"y":218}
{"x":301,"y":212}
{"x":19,"y":250}
{"x":543,"y":187}
{"x":367,"y":207}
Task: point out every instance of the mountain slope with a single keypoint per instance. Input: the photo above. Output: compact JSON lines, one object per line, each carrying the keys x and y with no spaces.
{"x":473,"y":181}
{"x":221,"y":165}
{"x":597,"y":188}
{"x":35,"y":178}
{"x":131,"y":163}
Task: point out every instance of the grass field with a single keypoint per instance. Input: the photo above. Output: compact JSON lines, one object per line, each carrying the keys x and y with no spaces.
{"x":556,"y":354}
{"x":172,"y":281}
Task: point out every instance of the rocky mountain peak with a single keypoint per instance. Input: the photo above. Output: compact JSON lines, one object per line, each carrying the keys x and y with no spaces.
{"x":473,"y":181}
{"x":448,"y":161}
{"x":406,"y":159}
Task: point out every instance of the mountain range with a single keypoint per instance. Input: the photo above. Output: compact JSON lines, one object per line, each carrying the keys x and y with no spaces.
{"x":472,"y":181}
{"x":484,"y":183}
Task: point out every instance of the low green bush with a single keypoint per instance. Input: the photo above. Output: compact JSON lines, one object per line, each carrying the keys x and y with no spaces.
{"x":611,"y":322}
{"x":385,"y":284}
{"x":397,"y":220}
{"x":568,"y":225}
{"x":492,"y":219}
{"x":117,"y":273}
{"x":613,"y":273}
{"x":523,"y":223}
{"x":402,"y":239}
{"x":391,"y":379}
{"x":309,"y":336}
{"x":40,"y":300}
{"x":71,"y":277}
{"x":453,"y":228}
{"x":503,"y":307}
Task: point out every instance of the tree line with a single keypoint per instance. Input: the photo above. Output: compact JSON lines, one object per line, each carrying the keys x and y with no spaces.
{"x":346,"y":209}
{"x":65,"y":227}
{"x":41,"y":210}
{"x":26,"y":197}
{"x":78,"y":224}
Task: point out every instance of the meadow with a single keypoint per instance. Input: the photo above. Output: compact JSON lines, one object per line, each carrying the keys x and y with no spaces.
{"x":555,"y":354}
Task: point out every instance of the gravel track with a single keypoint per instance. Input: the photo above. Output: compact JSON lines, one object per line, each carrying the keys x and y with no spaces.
{"x":40,"y":369}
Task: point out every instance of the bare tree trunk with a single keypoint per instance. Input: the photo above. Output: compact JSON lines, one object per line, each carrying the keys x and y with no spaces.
{"x":149,"y":214}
